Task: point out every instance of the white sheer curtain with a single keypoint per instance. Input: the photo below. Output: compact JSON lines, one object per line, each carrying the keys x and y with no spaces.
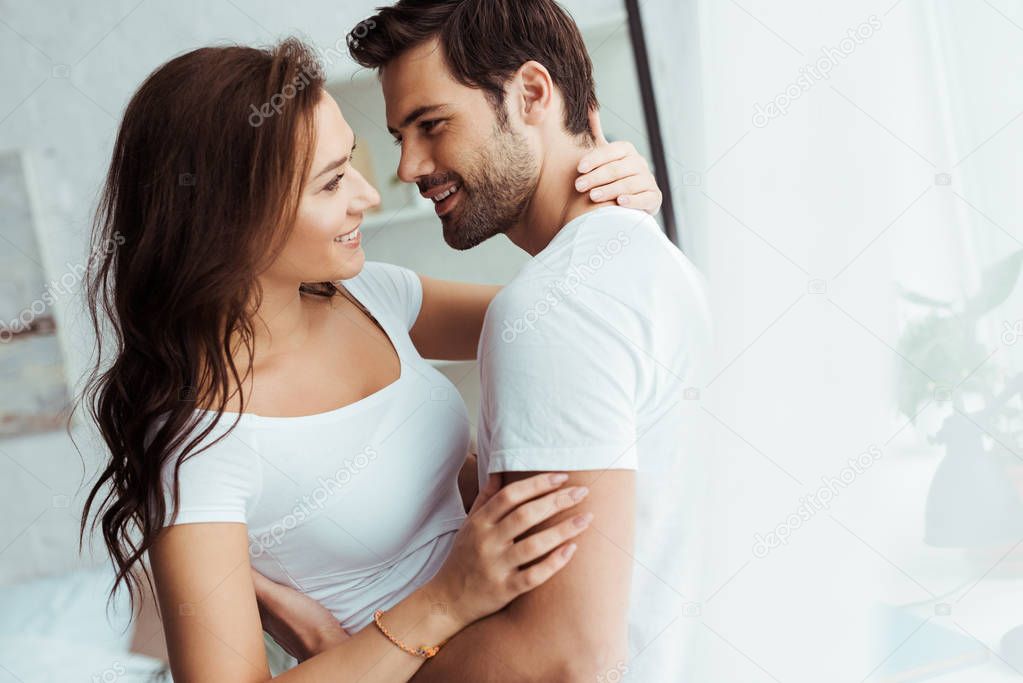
{"x":808,"y":218}
{"x":979,"y":48}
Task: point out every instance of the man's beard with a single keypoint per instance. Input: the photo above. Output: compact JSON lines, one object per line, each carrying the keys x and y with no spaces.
{"x":499,"y":184}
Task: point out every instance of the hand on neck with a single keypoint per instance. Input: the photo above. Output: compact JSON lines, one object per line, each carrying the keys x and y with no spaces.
{"x":555,"y":202}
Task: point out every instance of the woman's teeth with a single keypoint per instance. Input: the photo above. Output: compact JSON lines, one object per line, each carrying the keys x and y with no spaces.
{"x":444,"y":195}
{"x":350,"y":237}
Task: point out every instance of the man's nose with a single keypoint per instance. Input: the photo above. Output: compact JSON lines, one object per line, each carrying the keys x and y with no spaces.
{"x":414,"y":163}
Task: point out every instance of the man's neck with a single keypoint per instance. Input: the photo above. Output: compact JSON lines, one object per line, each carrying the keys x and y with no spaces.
{"x":555,"y":203}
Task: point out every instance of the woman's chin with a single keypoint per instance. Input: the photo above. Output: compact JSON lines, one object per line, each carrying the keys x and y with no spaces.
{"x":350,"y":264}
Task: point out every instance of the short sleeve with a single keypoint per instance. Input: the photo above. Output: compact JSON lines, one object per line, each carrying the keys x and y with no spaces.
{"x":390,"y":288}
{"x":218,"y":484}
{"x":559,"y":384}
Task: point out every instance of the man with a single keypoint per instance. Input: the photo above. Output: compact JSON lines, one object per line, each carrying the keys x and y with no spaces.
{"x":584,"y":357}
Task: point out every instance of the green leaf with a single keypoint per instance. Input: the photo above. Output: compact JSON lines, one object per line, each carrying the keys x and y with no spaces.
{"x":922,"y":300}
{"x":997,"y":284}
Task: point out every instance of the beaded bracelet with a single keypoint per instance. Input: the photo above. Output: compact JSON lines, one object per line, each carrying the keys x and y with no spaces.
{"x":421,"y":651}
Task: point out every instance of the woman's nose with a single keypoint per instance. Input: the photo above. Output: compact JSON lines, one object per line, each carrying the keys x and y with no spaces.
{"x":365,"y":196}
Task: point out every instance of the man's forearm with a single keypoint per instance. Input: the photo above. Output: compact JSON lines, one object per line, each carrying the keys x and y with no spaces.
{"x":488,"y":651}
{"x":498,"y":649}
{"x":569,"y":629}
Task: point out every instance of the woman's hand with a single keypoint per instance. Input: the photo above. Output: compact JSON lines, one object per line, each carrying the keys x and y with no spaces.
{"x":489,"y":564}
{"x":483,"y":572}
{"x":615,"y":171}
{"x":299,"y":624}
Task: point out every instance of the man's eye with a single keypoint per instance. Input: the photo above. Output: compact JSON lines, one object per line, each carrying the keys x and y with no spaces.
{"x":429,"y":126}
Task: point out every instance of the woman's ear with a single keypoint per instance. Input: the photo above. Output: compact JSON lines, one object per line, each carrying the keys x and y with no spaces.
{"x":535,"y":93}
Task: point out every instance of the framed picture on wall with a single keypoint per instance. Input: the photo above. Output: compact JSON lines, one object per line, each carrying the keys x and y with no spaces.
{"x":35,"y":391}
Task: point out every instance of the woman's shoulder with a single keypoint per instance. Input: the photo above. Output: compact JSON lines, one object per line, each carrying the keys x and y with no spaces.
{"x":218,"y":470}
{"x":389,"y":289}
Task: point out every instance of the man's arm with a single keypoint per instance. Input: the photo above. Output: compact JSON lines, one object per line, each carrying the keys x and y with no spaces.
{"x":573,"y":628}
{"x":560,"y":396}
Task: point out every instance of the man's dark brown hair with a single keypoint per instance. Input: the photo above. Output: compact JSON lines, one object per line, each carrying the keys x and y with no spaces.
{"x":484,"y":43}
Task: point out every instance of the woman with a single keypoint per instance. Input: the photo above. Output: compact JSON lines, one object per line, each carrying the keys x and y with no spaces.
{"x":268,"y":404}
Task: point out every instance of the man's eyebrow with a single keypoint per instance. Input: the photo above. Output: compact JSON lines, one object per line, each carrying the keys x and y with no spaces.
{"x":335,"y":164}
{"x":416,"y":113}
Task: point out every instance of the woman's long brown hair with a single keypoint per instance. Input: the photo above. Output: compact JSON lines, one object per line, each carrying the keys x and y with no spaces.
{"x":202,"y":190}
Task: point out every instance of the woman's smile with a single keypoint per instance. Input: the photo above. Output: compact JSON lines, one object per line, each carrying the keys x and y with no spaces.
{"x":351,"y":239}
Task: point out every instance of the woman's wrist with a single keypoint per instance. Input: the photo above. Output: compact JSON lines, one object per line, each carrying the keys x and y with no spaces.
{"x":438,"y":604}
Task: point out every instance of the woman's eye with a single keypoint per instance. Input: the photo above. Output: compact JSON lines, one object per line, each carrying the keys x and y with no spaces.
{"x":335,"y":183}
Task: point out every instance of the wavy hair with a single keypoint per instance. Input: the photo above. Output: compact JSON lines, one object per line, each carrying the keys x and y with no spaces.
{"x":202,"y":190}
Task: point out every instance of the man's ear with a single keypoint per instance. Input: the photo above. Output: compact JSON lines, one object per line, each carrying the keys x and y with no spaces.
{"x":534,"y":93}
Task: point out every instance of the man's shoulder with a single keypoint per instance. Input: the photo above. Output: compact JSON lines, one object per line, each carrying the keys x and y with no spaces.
{"x":611,"y":254}
{"x":609,"y":246}
{"x":613,"y":267}
{"x":603,"y":235}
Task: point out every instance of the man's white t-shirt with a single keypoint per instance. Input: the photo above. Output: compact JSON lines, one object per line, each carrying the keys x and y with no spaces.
{"x":585,"y":360}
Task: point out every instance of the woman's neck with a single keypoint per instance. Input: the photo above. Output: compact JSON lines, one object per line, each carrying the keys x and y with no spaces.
{"x":281,"y":323}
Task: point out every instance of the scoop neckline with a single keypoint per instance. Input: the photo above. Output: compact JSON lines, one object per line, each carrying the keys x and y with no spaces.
{"x":356,"y":406}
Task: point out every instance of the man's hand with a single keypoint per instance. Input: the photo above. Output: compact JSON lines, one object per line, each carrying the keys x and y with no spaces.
{"x":616,"y":171}
{"x":302,"y":626}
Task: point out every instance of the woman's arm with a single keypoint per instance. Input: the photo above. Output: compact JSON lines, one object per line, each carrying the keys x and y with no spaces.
{"x":451,"y":319}
{"x":468,"y":481}
{"x":212,"y":624}
{"x":213,"y":627}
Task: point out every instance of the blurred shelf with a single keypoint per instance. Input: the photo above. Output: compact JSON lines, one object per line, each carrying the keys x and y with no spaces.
{"x":416,"y":213}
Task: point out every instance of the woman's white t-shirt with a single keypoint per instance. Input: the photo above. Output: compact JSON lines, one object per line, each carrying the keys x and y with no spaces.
{"x":356,"y":507}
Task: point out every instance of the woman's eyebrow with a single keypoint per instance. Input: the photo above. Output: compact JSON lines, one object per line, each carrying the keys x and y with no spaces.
{"x":336,"y":164}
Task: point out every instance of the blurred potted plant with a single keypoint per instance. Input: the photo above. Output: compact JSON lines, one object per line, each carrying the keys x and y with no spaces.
{"x":944,"y":344}
{"x":975,"y":500}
